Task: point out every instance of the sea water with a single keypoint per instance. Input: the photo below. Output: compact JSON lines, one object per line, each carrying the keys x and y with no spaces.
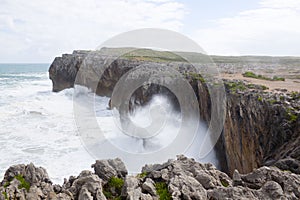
{"x":38,"y":126}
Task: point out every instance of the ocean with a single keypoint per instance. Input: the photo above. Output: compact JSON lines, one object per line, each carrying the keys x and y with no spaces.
{"x":38,"y":126}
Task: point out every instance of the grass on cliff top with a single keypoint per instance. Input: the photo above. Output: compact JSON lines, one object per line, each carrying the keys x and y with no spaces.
{"x":157,"y":56}
{"x":154,"y":55}
{"x":253,"y":75}
{"x":151,"y":55}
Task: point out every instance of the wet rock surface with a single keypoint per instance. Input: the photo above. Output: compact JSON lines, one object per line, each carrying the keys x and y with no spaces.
{"x":182,"y":178}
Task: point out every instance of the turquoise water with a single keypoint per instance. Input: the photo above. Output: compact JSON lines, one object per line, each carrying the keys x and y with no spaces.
{"x":12,"y":73}
{"x":11,"y":68}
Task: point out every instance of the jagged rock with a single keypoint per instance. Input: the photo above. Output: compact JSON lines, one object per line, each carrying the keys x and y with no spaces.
{"x":184,"y":179}
{"x":147,"y":197}
{"x":290,"y":164}
{"x":149,"y":187}
{"x":86,"y":186}
{"x":31,"y":174}
{"x":237,"y":180}
{"x":131,"y":189}
{"x":64,"y":76}
{"x":36,"y":193}
{"x":273,"y":190}
{"x":106,"y":169}
{"x":20,"y":178}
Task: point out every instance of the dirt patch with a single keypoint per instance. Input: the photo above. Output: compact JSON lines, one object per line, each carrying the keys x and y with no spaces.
{"x":289,"y":84}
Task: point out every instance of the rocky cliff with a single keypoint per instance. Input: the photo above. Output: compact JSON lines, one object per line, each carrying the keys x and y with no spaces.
{"x":261,"y":128}
{"x":176,"y":179}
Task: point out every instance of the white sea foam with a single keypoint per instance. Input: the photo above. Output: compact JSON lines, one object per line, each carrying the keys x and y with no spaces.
{"x":37,"y":125}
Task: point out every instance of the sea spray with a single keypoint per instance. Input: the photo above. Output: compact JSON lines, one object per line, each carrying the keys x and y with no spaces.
{"x":37,"y":125}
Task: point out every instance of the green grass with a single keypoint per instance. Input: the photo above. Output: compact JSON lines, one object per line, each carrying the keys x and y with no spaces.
{"x":252,"y":86}
{"x":6,"y":184}
{"x":234,"y":86}
{"x":117,"y":184}
{"x":271,"y":101}
{"x":23,"y":183}
{"x":295,"y":95}
{"x":5,"y":195}
{"x":260,"y":98}
{"x":195,"y":76}
{"x":224,"y":183}
{"x":293,"y":117}
{"x":253,"y":75}
{"x":275,"y":78}
{"x":155,"y":56}
{"x":142,"y":175}
{"x":264,"y":87}
{"x":199,"y":57}
{"x":162,"y":191}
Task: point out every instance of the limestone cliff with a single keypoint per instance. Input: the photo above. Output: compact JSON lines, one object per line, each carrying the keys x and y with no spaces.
{"x":261,"y":128}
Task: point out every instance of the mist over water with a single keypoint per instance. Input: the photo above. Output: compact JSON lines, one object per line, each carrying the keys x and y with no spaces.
{"x":160,"y":124}
{"x":37,"y":125}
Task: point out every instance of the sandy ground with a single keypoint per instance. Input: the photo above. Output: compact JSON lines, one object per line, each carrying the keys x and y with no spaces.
{"x":288,"y":84}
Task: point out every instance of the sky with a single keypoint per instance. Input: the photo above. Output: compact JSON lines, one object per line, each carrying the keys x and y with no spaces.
{"x":38,"y":31}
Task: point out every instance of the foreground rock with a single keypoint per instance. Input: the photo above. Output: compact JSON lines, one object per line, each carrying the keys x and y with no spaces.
{"x":176,"y":179}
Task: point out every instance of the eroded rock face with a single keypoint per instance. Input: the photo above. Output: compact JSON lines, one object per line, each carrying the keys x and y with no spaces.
{"x":260,"y":128}
{"x":182,"y":178}
{"x":259,"y":132}
{"x":106,"y":169}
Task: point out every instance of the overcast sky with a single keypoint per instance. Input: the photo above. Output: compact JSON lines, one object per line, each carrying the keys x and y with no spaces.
{"x":37,"y":31}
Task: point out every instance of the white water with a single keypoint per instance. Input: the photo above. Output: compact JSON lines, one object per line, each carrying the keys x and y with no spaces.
{"x":37,"y":125}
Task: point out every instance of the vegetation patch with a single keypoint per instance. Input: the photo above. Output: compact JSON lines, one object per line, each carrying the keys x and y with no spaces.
{"x":112,"y":190}
{"x":162,"y":191}
{"x":116,"y":182}
{"x":264,"y":87}
{"x":292,"y":117}
{"x":276,"y":78}
{"x":253,"y":86}
{"x":6,"y":184}
{"x":295,"y":95}
{"x":234,"y":86}
{"x":224,"y":183}
{"x":5,"y":195}
{"x":195,"y":76}
{"x":23,"y":183}
{"x":142,"y":175}
{"x":253,"y":75}
{"x":272,"y":101}
{"x":154,"y":56}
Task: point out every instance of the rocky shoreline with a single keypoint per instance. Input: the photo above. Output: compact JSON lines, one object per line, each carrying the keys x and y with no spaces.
{"x":182,"y":178}
{"x":258,"y":149}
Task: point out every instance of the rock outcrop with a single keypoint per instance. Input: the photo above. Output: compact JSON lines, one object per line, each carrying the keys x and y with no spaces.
{"x":176,"y":179}
{"x":261,"y":128}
